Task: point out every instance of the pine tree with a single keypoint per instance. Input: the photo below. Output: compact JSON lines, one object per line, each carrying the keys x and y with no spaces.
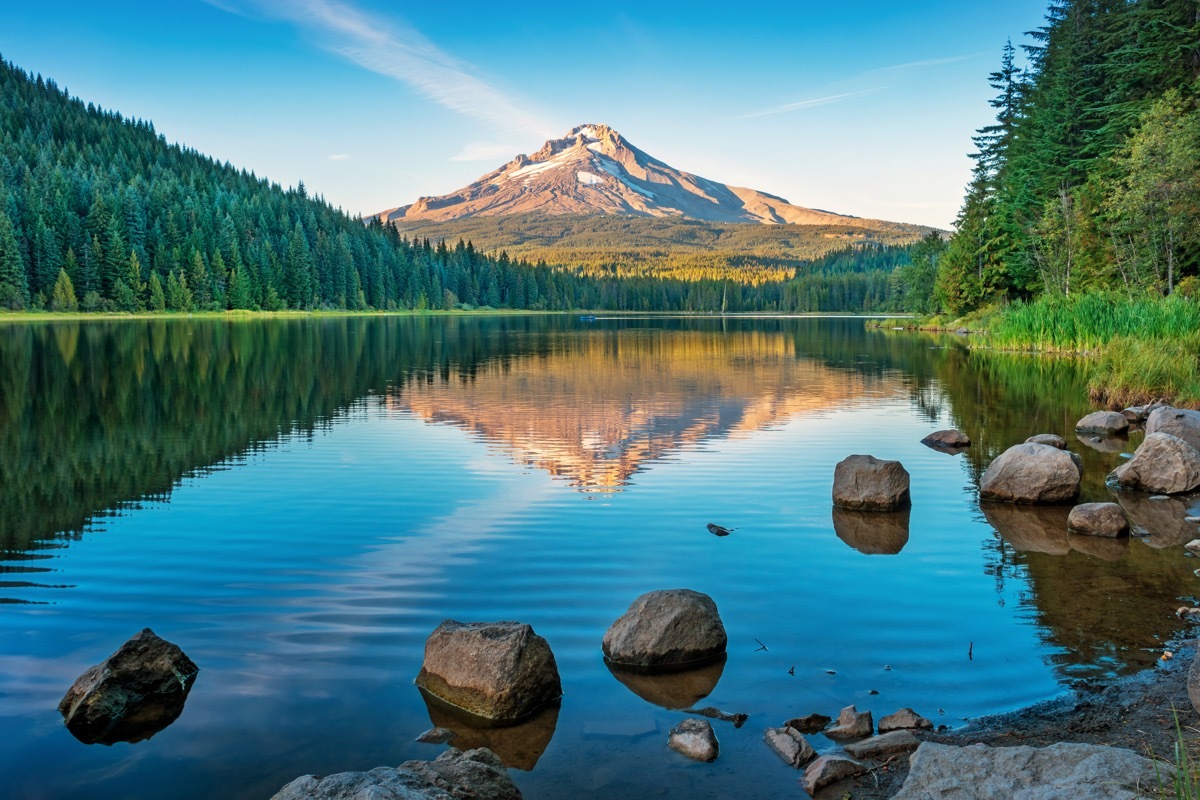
{"x":158,"y":300}
{"x":14,"y":288}
{"x":63,"y":298}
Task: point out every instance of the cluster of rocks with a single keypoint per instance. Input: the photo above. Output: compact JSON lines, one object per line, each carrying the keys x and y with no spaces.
{"x":853,"y":729}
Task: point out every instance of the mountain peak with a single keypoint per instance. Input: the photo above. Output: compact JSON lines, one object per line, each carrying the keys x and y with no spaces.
{"x":593,"y":169}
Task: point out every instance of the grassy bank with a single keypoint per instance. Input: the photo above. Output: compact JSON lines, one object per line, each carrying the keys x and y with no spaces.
{"x":1144,"y":349}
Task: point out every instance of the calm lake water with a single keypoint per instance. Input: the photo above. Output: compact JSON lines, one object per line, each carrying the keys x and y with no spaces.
{"x":297,"y":503}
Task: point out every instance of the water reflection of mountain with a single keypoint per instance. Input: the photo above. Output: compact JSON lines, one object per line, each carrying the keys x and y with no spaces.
{"x":596,"y":409}
{"x":98,"y":415}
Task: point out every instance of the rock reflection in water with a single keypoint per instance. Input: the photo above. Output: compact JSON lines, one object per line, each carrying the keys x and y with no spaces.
{"x":872,"y":532}
{"x":1101,"y":547}
{"x":1104,"y":444}
{"x":672,"y":690}
{"x":1163,"y":521}
{"x":1038,"y":529}
{"x":518,"y":745}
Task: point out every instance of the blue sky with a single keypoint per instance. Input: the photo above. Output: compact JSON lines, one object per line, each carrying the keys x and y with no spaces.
{"x":862,"y":108}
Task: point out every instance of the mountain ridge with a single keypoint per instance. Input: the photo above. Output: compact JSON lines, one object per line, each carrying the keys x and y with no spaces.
{"x":593,"y":169}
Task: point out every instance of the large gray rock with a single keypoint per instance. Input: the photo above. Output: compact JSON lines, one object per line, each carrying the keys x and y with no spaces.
{"x":1176,"y":421}
{"x":670,"y":629}
{"x":695,"y":739}
{"x":1098,"y":519}
{"x":947,"y":440}
{"x":131,"y":695}
{"x":904,"y":719}
{"x":790,"y":745}
{"x":1106,"y":423}
{"x":830,"y":769}
{"x":476,"y":774}
{"x":884,"y":745}
{"x":1163,"y":464}
{"x":1031,"y":473}
{"x":851,"y":724}
{"x":1058,"y":772}
{"x":497,"y":670}
{"x":866,"y":483}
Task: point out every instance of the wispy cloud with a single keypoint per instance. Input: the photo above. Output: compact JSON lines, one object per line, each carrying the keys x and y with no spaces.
{"x":811,"y":103}
{"x":390,"y":48}
{"x":928,"y":62}
{"x":484,"y":151}
{"x":339,"y":157}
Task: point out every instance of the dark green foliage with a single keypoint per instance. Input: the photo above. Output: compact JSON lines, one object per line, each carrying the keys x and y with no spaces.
{"x":1087,"y":180}
{"x":137,"y":223}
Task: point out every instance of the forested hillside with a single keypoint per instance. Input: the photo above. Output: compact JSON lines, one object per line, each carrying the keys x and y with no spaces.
{"x":673,"y":247}
{"x":101,"y":213}
{"x":1089,"y":179}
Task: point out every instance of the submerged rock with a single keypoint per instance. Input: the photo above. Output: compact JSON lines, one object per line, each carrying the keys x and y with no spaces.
{"x":813,"y":723}
{"x":1164,"y":464}
{"x":947,"y":440}
{"x":1031,"y":473}
{"x":1098,"y":519}
{"x":904,"y":719}
{"x":851,"y":724}
{"x":866,"y":483}
{"x":131,"y":695}
{"x":790,"y":745}
{"x":1058,"y":772}
{"x":476,"y":774}
{"x":695,"y":739}
{"x":738,"y":720}
{"x":830,"y":769}
{"x":664,"y":630}
{"x":494,"y":670}
{"x":1106,"y":423}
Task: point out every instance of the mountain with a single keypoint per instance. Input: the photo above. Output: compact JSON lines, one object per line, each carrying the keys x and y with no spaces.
{"x":595,"y":170}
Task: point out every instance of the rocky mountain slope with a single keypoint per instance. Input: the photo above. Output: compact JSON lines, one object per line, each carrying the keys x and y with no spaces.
{"x":595,"y":170}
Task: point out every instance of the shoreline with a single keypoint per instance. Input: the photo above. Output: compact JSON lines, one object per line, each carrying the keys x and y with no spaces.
{"x":1138,"y":712}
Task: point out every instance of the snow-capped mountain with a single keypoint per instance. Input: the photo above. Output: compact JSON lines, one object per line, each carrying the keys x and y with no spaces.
{"x":594,"y":170}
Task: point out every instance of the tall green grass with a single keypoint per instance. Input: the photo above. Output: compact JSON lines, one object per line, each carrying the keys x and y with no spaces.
{"x":1132,"y":371}
{"x":1145,"y":349}
{"x":1088,"y":322}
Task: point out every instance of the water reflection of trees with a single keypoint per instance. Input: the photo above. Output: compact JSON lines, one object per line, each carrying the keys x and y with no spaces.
{"x":1106,"y":606}
{"x":96,"y":416}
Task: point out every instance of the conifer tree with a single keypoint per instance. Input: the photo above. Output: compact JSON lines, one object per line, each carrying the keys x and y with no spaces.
{"x":63,"y":298}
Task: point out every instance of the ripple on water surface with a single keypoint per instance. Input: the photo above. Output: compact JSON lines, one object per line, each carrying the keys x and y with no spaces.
{"x":549,"y":472}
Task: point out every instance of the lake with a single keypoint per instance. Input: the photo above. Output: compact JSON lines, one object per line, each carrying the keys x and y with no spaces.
{"x":299,"y":502}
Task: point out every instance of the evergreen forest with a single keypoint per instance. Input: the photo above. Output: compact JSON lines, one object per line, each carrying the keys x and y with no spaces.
{"x":1088,"y":180}
{"x":101,"y":213}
